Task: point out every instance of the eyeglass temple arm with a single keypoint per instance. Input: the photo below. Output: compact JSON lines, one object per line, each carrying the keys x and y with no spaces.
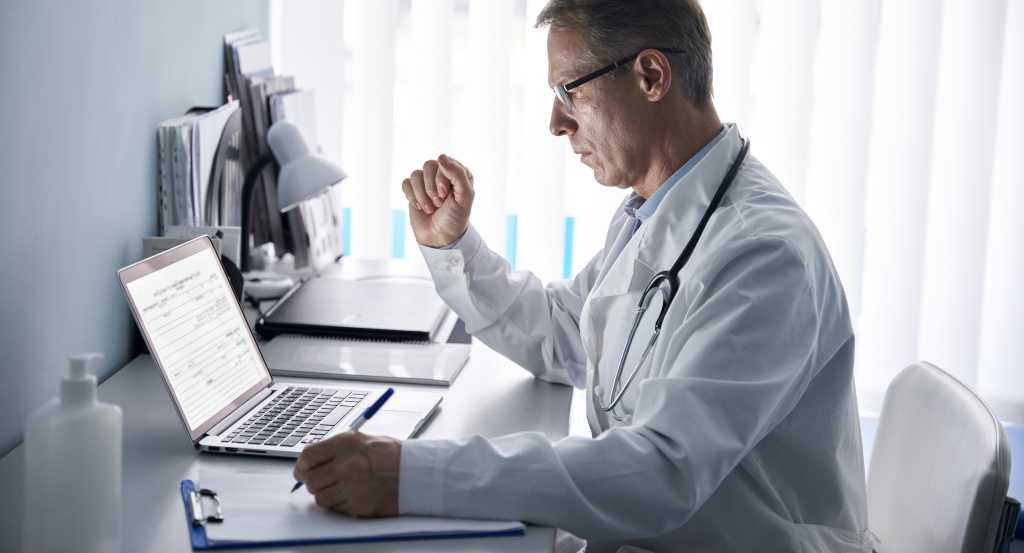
{"x":591,"y":76}
{"x":598,"y":73}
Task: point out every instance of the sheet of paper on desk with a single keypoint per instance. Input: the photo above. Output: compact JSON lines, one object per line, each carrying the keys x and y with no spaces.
{"x":257,"y":506}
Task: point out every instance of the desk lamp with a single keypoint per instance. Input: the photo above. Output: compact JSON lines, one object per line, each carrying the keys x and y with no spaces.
{"x":303,"y":175}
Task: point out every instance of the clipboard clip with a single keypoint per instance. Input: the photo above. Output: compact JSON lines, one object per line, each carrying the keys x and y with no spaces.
{"x":199,"y":516}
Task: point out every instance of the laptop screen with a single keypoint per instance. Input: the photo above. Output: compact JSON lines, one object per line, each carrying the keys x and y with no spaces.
{"x":195,"y":329}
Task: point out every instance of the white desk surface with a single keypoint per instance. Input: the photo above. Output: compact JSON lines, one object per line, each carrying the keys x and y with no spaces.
{"x":491,"y":397}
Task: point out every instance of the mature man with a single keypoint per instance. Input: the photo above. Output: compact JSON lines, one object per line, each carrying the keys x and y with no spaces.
{"x":737,"y":430}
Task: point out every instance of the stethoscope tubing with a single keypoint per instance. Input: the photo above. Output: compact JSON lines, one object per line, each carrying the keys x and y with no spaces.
{"x":671,"y":277}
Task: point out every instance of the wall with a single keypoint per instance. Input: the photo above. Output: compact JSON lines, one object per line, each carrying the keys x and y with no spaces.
{"x":85,"y":84}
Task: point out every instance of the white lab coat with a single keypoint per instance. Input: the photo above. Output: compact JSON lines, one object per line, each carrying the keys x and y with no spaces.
{"x":739,"y":434}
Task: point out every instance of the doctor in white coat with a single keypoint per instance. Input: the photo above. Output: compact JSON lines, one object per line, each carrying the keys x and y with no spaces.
{"x":739,"y":430}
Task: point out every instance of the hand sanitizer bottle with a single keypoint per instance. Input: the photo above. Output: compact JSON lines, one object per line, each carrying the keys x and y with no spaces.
{"x":73,"y":469}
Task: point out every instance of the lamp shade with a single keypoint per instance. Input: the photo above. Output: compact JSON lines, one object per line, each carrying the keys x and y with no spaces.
{"x":303,"y":175}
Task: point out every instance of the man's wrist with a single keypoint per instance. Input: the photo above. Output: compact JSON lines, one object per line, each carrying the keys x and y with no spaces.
{"x":448,"y":245}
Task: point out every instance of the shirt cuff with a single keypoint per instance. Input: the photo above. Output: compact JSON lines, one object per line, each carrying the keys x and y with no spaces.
{"x":453,"y":244}
{"x":421,"y":477}
{"x":453,"y":258}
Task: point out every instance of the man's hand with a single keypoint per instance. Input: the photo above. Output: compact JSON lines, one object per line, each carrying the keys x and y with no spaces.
{"x":440,"y":198}
{"x":353,"y":474}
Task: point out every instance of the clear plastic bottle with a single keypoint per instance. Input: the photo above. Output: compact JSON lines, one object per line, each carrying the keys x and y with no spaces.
{"x":73,"y":469}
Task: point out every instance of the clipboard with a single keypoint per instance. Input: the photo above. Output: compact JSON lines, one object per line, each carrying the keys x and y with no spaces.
{"x":203,"y":510}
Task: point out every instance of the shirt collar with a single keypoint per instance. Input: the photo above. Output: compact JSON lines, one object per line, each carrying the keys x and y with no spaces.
{"x":640,"y":209}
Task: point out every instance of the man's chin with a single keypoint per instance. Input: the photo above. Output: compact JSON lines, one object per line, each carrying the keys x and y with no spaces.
{"x":602,"y":178}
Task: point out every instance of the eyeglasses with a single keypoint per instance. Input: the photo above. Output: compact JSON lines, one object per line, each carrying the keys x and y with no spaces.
{"x":562,"y":90}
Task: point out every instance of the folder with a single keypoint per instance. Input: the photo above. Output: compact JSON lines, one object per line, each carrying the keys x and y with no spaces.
{"x":237,"y":508}
{"x":375,"y":308}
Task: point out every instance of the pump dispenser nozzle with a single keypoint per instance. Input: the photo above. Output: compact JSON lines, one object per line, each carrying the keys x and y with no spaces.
{"x":80,"y":383}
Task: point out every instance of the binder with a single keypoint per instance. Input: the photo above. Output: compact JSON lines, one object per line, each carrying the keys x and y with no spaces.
{"x":374,"y":308}
{"x":205,"y":518}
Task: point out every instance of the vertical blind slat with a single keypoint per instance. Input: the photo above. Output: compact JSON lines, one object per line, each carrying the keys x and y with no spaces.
{"x":969,"y":68}
{"x":1002,"y":322}
{"x":897,"y":193}
{"x":734,"y":28}
{"x":843,"y":88}
{"x":486,"y":116}
{"x":782,"y":88}
{"x":370,"y":186}
{"x":542,"y":168}
{"x":425,"y":107}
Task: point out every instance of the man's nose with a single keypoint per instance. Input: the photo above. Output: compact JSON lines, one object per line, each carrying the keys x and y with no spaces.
{"x":561,"y":122}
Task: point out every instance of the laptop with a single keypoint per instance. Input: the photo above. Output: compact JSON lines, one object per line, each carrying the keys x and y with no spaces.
{"x":216,"y":375}
{"x":375,"y":308}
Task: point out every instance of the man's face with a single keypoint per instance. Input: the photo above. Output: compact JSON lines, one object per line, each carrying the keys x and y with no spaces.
{"x":604,"y":126}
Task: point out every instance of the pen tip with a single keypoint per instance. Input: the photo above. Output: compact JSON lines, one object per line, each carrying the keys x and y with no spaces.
{"x":296,"y":486}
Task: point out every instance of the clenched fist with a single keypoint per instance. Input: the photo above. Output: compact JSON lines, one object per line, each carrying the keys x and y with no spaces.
{"x":440,"y":198}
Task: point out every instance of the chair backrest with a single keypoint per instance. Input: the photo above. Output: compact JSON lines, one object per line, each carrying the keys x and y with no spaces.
{"x":939,"y":469}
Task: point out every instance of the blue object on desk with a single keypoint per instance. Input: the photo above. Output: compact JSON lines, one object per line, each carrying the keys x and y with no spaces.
{"x":359,"y":421}
{"x":430,"y":529}
{"x":372,"y":410}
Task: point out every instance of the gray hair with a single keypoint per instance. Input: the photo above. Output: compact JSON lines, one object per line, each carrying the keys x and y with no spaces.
{"x":613,"y":29}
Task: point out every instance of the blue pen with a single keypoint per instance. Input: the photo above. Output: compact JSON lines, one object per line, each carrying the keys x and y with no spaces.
{"x":361,"y":419}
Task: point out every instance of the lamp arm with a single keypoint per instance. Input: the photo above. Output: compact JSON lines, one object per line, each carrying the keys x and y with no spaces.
{"x":247,"y":189}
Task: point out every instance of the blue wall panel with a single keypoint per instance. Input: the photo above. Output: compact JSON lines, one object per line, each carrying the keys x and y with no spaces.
{"x":85,"y":85}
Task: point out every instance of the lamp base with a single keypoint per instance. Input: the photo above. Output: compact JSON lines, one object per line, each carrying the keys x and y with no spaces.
{"x":264,"y":285}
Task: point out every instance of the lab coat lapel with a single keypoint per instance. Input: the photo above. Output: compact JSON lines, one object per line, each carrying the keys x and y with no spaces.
{"x":654,"y":247}
{"x":617,"y":276}
{"x":609,"y":282}
{"x":669,"y":229}
{"x":656,"y":244}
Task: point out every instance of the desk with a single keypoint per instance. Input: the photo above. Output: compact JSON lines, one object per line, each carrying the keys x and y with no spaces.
{"x":491,"y":397}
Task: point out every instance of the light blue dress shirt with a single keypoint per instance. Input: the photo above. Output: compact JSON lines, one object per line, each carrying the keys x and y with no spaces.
{"x":642,"y":210}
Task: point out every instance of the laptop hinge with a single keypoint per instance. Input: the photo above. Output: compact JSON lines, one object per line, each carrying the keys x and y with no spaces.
{"x":242,"y":410}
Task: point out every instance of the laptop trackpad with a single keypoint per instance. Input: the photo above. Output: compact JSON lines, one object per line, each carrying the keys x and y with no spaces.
{"x":403,"y":419}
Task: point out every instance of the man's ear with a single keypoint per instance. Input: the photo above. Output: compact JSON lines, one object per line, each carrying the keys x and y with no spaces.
{"x":653,"y":73}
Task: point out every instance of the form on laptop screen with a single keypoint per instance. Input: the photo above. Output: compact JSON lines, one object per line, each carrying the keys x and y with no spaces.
{"x":195,"y":328}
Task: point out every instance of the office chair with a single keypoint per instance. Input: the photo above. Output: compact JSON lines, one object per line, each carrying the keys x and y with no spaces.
{"x":939,"y":470}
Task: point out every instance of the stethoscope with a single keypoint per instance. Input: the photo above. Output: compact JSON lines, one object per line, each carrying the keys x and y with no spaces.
{"x":671,"y":277}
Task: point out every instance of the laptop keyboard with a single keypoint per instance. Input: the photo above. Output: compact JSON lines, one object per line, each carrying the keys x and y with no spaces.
{"x":296,"y":415}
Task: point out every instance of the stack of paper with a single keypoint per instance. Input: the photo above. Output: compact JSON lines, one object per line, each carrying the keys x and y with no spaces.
{"x":250,"y":78}
{"x":187,"y":151}
{"x":207,"y":132}
{"x":174,"y":169}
